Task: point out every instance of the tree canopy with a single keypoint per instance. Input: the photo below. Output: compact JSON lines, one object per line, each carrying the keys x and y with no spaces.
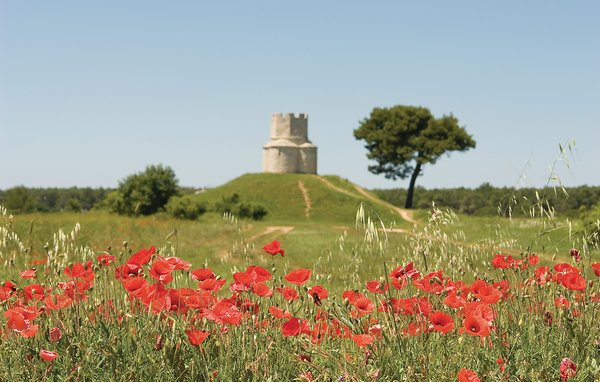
{"x":401,"y":139}
{"x":144,"y":193}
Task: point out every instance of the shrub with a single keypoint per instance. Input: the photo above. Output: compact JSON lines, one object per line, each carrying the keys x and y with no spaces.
{"x":232,"y":205}
{"x":143,"y":193}
{"x":185,"y":207}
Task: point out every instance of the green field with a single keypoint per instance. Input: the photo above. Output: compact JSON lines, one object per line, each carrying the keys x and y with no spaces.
{"x":69,"y":317}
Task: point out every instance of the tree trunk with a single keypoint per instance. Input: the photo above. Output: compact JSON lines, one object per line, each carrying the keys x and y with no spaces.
{"x":411,"y":186}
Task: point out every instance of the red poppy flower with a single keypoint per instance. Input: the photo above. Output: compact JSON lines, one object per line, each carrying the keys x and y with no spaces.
{"x":58,"y":301}
{"x":573,"y":281}
{"x":134,"y":284}
{"x":466,"y":375}
{"x":399,"y":283}
{"x":278,"y":313}
{"x":565,"y":268}
{"x":415,"y":329}
{"x":318,"y":293}
{"x":105,"y":259}
{"x":178,"y":264}
{"x":291,"y":327}
{"x":261,"y":273}
{"x":375,"y":286}
{"x":289,"y":294}
{"x":433,"y":283}
{"x":298,"y":276}
{"x":561,"y":302}
{"x":28,"y":274}
{"x":211,"y":285}
{"x":488,"y":294}
{"x":363,"y":339}
{"x":503,"y":261}
{"x":202,"y":274}
{"x":48,"y":355}
{"x":162,"y":271}
{"x":442,"y":322}
{"x":596,"y":269}
{"x":262,"y":290}
{"x":197,"y":337}
{"x":34,"y":292}
{"x":142,"y":257}
{"x":364,"y":306}
{"x":568,"y":369}
{"x":454,"y":301}
{"x":79,"y":270}
{"x":476,"y":326}
{"x":533,"y":259}
{"x":574,"y":252}
{"x":224,"y":312}
{"x":273,"y":248}
{"x":352,"y":296}
{"x":244,"y":278}
{"x":406,"y":271}
{"x":55,"y":334}
{"x":479,"y":309}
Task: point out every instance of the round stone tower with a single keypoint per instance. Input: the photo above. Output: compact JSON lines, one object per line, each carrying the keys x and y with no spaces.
{"x":289,"y":149}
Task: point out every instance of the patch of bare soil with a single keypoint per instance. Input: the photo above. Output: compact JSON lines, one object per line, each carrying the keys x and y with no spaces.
{"x":270,"y":229}
{"x":307,"y":202}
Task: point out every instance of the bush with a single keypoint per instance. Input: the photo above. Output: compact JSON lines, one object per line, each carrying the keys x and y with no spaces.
{"x":143,"y":193}
{"x":244,"y":210}
{"x":185,"y":207}
{"x":251,"y":210}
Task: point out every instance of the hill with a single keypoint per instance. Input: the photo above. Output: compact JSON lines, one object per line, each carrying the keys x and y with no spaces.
{"x":295,"y":198}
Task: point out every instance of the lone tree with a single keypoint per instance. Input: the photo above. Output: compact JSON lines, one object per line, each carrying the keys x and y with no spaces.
{"x":143,"y":193}
{"x":401,"y":139}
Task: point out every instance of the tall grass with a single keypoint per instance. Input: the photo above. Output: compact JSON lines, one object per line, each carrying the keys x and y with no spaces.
{"x":376,"y":322}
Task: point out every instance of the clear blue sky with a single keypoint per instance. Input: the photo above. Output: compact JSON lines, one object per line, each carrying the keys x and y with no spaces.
{"x":92,"y":91}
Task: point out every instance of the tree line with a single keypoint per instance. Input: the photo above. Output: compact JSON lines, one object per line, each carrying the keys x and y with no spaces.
{"x":487,"y":200}
{"x":156,"y":189}
{"x":23,"y":199}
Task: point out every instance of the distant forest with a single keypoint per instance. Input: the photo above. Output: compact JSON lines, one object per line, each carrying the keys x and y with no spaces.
{"x":489,"y":200}
{"x":483,"y":200}
{"x":22,"y":199}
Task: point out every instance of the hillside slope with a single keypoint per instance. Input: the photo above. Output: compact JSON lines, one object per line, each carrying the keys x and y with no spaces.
{"x":293,"y":198}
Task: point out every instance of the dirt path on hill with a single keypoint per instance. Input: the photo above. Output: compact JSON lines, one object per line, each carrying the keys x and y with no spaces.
{"x":406,"y":214}
{"x":307,"y":202}
{"x":334,"y":187}
{"x":270,"y":229}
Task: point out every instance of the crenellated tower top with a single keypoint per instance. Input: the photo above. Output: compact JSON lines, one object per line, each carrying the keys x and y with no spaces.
{"x":293,"y":127}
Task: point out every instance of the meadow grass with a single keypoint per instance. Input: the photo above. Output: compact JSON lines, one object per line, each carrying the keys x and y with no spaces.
{"x":383,"y":331}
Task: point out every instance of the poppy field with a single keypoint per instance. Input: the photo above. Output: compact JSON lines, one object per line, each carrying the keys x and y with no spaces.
{"x":435,"y":310}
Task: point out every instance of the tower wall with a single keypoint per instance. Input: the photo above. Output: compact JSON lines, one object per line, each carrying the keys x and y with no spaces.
{"x":281,"y":159}
{"x":307,"y":160}
{"x":289,"y":149}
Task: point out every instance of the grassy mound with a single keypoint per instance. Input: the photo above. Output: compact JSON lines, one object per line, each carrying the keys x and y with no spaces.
{"x":295,"y":198}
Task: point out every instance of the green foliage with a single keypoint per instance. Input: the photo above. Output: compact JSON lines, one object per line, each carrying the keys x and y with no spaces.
{"x":591,"y":222}
{"x":402,"y":139}
{"x":487,"y":200}
{"x":24,"y":199}
{"x":143,"y":193}
{"x":232,"y":204}
{"x":18,"y":200}
{"x":185,"y":207}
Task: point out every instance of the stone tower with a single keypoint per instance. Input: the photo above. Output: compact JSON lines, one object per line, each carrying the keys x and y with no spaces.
{"x":289,"y":149}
